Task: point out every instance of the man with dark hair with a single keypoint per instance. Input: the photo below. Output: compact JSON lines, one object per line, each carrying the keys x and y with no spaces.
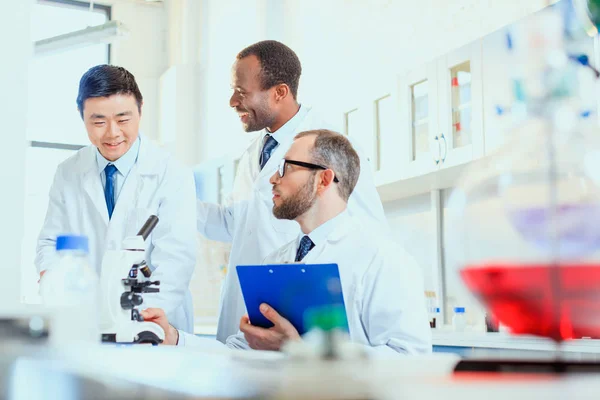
{"x":265,"y":79}
{"x":382,"y":285}
{"x":106,"y":191}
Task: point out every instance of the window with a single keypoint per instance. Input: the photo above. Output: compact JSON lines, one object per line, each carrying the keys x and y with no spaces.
{"x":55,"y":130}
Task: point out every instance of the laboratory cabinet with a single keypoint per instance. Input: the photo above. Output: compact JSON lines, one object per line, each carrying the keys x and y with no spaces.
{"x":440,"y":113}
{"x":371,"y":124}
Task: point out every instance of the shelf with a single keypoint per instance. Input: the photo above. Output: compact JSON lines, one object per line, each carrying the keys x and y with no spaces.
{"x":391,"y":188}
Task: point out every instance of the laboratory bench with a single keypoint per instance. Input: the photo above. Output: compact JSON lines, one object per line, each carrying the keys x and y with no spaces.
{"x":468,"y":344}
{"x":137,"y":372}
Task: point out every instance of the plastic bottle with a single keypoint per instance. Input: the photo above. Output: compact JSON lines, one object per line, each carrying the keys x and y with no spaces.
{"x":70,"y":289}
{"x":458,"y":320}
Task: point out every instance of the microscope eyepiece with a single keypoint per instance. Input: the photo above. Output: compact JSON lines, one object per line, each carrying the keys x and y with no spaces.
{"x":148,"y":227}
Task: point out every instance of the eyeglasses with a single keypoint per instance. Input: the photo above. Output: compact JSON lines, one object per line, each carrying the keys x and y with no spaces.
{"x":283,"y":162}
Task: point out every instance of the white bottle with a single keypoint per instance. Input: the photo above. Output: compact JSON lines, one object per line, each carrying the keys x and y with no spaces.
{"x":459,"y":321}
{"x":70,"y":289}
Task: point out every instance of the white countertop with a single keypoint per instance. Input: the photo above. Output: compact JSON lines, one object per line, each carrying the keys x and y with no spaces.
{"x":512,"y":342}
{"x":237,"y":374}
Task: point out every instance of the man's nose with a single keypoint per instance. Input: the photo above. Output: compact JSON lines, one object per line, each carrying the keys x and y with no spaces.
{"x":115,"y":130}
{"x":274,"y":178}
{"x":234,"y":101}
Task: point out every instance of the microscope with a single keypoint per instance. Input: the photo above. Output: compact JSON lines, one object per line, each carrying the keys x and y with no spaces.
{"x":124,"y":278}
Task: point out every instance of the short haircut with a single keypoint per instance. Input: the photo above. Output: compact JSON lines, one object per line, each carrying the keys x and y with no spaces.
{"x":278,"y":64}
{"x":334,"y":151}
{"x":107,"y":80}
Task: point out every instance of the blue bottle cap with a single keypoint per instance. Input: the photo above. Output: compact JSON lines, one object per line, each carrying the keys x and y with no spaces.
{"x":459,"y":309}
{"x":437,"y":310}
{"x":72,"y":242}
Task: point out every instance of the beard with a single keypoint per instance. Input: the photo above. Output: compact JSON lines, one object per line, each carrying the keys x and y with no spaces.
{"x":298,"y":203}
{"x":259,"y":118}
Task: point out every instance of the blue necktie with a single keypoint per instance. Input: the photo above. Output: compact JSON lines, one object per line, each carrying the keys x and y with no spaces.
{"x":267,"y":149}
{"x":306,"y":245}
{"x":109,"y":189}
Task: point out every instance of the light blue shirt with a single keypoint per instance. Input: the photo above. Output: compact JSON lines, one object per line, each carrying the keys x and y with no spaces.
{"x":123,"y":164}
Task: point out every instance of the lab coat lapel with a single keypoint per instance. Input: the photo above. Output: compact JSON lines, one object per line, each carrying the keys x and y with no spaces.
{"x":254,"y":159}
{"x":92,"y":184}
{"x":129,"y":198}
{"x":282,"y":148}
{"x":340,"y":231}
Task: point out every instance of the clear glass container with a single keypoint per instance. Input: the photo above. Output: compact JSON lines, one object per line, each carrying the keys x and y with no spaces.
{"x":525,"y":233}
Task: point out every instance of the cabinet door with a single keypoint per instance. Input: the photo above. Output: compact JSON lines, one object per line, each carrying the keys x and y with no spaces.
{"x":417,"y":97}
{"x":498,"y":90}
{"x":358,"y":126}
{"x":460,"y":105}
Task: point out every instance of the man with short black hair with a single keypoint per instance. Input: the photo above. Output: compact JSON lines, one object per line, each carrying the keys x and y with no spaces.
{"x":106,"y":192}
{"x":265,"y":80}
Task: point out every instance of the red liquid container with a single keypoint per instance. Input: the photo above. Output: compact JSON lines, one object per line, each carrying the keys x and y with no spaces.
{"x":556,"y":301}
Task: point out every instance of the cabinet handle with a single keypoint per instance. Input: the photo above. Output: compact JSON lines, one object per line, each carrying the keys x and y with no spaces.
{"x":445,"y":148}
{"x":437,"y":161}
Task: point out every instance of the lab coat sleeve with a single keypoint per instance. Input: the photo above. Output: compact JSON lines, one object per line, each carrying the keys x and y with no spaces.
{"x":237,"y":341}
{"x":54,"y":225}
{"x":215,"y":221}
{"x":393,"y":311}
{"x":174,"y":240}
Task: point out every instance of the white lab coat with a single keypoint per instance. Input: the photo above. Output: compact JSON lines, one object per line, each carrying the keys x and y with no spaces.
{"x":381,"y":283}
{"x":157,"y":184}
{"x":247,"y":219}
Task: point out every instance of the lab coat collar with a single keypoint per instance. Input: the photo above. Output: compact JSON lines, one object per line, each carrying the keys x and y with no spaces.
{"x":147,"y":159}
{"x":330,"y":231}
{"x":289,"y":128}
{"x":300,"y":123}
{"x":148,"y":164}
{"x":124,"y":163}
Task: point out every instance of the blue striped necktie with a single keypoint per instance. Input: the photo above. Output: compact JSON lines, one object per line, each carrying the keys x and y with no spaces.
{"x":267,"y":149}
{"x":306,"y":245}
{"x":109,"y":188}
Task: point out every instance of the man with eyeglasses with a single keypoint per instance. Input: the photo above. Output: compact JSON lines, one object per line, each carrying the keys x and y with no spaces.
{"x":382,"y":285}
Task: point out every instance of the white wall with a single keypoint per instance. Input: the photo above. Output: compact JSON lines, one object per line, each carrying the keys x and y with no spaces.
{"x":349,"y":48}
{"x":15,"y":42}
{"x":143,"y":53}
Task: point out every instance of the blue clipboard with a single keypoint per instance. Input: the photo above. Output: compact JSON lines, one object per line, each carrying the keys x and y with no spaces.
{"x":291,"y":289}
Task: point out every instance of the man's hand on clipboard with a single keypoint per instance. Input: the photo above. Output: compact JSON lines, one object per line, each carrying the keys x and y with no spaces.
{"x":272,"y":338}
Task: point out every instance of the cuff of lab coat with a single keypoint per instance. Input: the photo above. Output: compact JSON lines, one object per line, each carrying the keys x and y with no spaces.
{"x":181,"y":341}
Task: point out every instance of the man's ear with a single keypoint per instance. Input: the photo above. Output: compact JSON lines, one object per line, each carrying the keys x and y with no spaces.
{"x":325,"y":179}
{"x":281,"y":91}
{"x":140,"y":107}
